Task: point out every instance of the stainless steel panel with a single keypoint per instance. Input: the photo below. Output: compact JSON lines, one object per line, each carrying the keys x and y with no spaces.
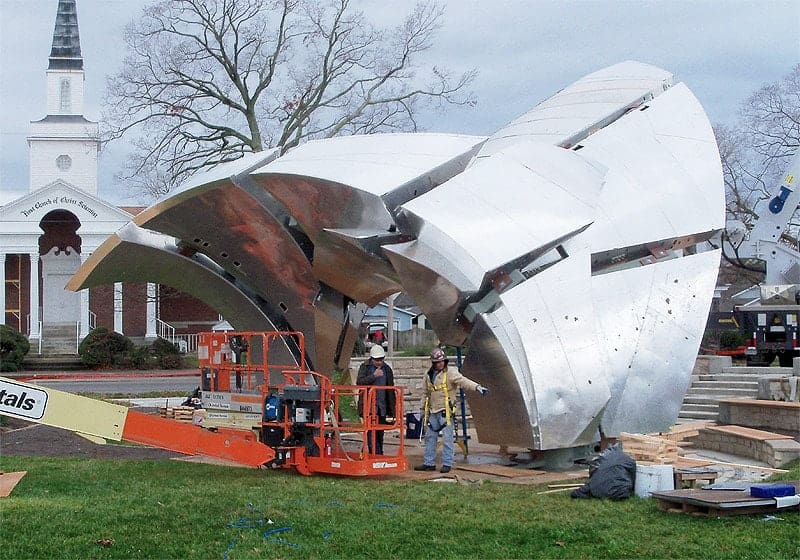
{"x":583,"y":107}
{"x":240,"y":235}
{"x":505,"y":206}
{"x":436,"y":285}
{"x":650,"y":322}
{"x":669,"y":186}
{"x":351,"y":261}
{"x":137,"y":255}
{"x":355,"y":183}
{"x":516,"y":204}
{"x":553,"y":316}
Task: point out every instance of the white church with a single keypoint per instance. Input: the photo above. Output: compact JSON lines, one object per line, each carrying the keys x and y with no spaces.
{"x":46,"y":234}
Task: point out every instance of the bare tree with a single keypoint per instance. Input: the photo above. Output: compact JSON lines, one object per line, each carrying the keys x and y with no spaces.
{"x":754,"y":156}
{"x":206,"y":81}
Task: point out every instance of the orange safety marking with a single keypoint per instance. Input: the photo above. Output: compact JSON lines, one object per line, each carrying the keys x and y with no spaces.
{"x":246,"y":398}
{"x":193,"y":440}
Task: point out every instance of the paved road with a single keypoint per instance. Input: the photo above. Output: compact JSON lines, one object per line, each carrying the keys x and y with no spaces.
{"x":183,"y":385}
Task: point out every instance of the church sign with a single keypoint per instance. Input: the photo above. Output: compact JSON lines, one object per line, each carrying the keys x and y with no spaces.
{"x":59,"y":202}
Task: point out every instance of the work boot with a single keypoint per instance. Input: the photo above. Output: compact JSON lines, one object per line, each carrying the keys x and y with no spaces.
{"x":445,"y":469}
{"x":425,"y":468}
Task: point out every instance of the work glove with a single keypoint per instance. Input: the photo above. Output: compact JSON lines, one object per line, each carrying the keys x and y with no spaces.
{"x":483,"y":390}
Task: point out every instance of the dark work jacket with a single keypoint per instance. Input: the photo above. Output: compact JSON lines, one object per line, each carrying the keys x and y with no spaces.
{"x":384,"y":399}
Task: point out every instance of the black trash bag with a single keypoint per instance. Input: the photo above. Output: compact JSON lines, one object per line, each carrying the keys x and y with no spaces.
{"x":612,"y":474}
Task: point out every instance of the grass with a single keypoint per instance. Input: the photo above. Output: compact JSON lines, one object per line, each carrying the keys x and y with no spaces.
{"x":168,"y":509}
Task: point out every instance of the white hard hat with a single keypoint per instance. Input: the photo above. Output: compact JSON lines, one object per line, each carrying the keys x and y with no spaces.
{"x":376,"y":351}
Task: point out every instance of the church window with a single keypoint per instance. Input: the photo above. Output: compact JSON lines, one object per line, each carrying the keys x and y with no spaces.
{"x":66,"y":101}
{"x":63,"y":162}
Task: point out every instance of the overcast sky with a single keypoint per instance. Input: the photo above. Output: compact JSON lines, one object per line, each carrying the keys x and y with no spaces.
{"x":524,"y":50}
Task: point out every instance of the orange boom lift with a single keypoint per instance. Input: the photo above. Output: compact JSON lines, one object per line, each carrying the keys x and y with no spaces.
{"x":254,"y":412}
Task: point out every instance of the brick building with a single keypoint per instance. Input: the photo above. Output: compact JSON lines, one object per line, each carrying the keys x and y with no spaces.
{"x":46,"y":234}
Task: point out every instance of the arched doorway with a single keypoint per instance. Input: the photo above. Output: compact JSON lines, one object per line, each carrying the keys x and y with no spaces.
{"x":59,"y":249}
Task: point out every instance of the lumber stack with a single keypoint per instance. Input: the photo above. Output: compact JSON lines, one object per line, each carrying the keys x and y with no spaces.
{"x":681,"y":432}
{"x":179,"y":413}
{"x":650,"y":449}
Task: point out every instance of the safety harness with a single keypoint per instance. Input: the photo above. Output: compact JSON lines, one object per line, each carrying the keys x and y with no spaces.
{"x":431,"y":387}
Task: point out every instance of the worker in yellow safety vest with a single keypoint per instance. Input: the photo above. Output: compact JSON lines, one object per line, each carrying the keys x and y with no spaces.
{"x":441,"y":386}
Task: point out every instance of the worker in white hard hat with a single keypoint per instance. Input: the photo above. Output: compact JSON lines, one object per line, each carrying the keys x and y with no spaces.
{"x":441,"y":387}
{"x":375,"y":371}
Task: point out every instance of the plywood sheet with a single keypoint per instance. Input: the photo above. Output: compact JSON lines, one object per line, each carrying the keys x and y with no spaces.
{"x":8,"y":481}
{"x":499,"y":470}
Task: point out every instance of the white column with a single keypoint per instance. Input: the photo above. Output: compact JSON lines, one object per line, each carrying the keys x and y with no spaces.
{"x":34,"y":296}
{"x":2,"y":288}
{"x":118,"y":307}
{"x":152,"y":330}
{"x":84,"y":306}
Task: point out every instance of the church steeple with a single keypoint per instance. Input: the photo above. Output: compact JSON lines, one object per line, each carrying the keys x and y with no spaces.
{"x":64,"y":145}
{"x":66,"y":51}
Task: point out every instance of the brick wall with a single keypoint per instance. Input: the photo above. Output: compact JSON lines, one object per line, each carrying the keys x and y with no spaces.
{"x":186,"y":313}
{"x":134,"y":309}
{"x":101,"y":303}
{"x":781,"y":417}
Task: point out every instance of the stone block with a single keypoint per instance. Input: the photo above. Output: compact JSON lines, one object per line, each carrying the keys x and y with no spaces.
{"x":717,"y":364}
{"x":782,"y":451}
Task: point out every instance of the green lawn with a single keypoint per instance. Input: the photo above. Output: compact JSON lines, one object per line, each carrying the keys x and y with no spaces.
{"x":169,"y":509}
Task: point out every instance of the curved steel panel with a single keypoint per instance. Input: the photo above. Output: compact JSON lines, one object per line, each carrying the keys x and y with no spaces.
{"x":136,"y":255}
{"x":436,"y":285}
{"x":235,"y":231}
{"x":657,"y":191}
{"x":515,"y":202}
{"x":554,"y":318}
{"x":355,"y":183}
{"x":515,"y":205}
{"x":583,"y":107}
{"x":650,"y":322}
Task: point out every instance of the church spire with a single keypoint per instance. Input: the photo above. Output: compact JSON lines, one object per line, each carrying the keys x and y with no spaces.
{"x":66,"y":51}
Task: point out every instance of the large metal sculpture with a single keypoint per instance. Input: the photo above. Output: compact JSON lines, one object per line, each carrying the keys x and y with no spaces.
{"x":560,"y":250}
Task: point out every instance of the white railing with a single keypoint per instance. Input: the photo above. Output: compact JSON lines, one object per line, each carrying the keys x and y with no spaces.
{"x":165,"y":330}
{"x":40,"y":337}
{"x":187,"y":342}
{"x":77,"y":337}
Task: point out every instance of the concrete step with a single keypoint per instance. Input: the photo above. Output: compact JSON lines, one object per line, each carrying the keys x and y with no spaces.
{"x":52,"y":363}
{"x":701,"y":399}
{"x":700,"y":407}
{"x":698,"y":415}
{"x":723,"y":392}
{"x":751,"y":370}
{"x":742,"y":377}
{"x":725,"y":385}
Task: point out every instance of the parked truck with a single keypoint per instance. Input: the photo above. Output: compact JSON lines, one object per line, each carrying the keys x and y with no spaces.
{"x":771,"y":326}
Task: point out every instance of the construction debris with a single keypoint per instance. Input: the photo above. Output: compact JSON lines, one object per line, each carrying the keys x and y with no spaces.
{"x":650,"y":449}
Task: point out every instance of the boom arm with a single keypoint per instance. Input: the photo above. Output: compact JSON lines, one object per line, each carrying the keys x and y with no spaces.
{"x":114,"y":422}
{"x":782,"y":261}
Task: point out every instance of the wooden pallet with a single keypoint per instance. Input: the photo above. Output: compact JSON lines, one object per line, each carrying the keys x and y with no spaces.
{"x":717,"y":503}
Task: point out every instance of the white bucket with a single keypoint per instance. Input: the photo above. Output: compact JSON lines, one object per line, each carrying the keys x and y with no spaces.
{"x":653,"y":478}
